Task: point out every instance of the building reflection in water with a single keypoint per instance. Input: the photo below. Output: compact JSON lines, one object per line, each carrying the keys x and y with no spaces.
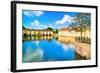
{"x":29,"y":38}
{"x":62,"y":39}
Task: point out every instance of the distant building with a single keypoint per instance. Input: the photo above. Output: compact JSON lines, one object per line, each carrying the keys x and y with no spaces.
{"x":74,"y":32}
{"x":36,"y":32}
{"x":66,"y":30}
{"x":26,"y":31}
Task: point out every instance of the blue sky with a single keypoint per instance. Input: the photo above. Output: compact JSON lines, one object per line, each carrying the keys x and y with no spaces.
{"x":43,"y":19}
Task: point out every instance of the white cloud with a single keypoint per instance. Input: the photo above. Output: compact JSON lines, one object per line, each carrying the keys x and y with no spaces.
{"x":65,"y":19}
{"x":50,"y":25}
{"x":36,"y":25}
{"x":38,"y":13}
{"x":33,"y":13}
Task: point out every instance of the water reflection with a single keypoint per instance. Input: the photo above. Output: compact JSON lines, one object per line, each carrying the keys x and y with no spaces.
{"x":28,"y":38}
{"x":47,"y":48}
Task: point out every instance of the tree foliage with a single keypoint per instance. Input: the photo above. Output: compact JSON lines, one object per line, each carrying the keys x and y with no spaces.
{"x":81,"y":22}
{"x":49,"y":28}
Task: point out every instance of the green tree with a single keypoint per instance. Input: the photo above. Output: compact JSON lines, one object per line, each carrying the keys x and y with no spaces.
{"x":49,"y":28}
{"x":56,"y":31}
{"x":87,"y":22}
{"x":23,"y":27}
{"x":81,"y":22}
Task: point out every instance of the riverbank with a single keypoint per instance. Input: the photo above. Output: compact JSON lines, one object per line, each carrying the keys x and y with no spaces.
{"x":83,"y":49}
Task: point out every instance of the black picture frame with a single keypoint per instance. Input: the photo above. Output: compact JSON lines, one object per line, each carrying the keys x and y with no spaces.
{"x":13,"y":35}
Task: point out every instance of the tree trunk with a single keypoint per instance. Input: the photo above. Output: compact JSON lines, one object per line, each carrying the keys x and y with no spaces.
{"x":85,"y":32}
{"x":81,"y":33}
